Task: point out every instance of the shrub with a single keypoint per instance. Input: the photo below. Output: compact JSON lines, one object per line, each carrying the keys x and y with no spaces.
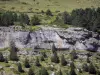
{"x":37,"y":63}
{"x":49,"y":13}
{"x":20,"y":68}
{"x":35,"y":20}
{"x":63,"y":61}
{"x":1,"y":57}
{"x":27,"y":65}
{"x":92,"y":69}
{"x":31,"y":72}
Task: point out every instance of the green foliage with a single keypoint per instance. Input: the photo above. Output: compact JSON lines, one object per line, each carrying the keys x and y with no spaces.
{"x":35,"y":20}
{"x":72,"y":72}
{"x":72,"y":65}
{"x":42,"y":58}
{"x":49,"y":13}
{"x":24,"y":19}
{"x":31,"y":72}
{"x":26,"y":64}
{"x":92,"y":69}
{"x":1,"y":57}
{"x":13,"y":52}
{"x":66,"y":18}
{"x":85,"y":67}
{"x":55,"y":58}
{"x":37,"y":63}
{"x":88,"y":60}
{"x":20,"y":67}
{"x":43,"y":71}
{"x":44,"y":54}
{"x":73,"y":55}
{"x":63,"y":61}
{"x":59,"y":72}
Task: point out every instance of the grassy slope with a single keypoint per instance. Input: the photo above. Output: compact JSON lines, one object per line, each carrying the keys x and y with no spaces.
{"x":54,"y":5}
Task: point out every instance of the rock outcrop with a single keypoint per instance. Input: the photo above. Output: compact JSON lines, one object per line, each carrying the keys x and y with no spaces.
{"x":63,"y":39}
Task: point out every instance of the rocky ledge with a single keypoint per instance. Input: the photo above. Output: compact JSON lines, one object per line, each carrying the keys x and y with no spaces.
{"x":63,"y":39}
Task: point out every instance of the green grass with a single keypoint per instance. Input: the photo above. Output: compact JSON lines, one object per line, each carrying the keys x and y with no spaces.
{"x":54,"y":5}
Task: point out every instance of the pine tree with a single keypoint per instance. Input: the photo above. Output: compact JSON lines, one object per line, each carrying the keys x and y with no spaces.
{"x":43,"y":71}
{"x":85,"y":67}
{"x":1,"y":57}
{"x":59,"y":72}
{"x":92,"y":69}
{"x":37,"y":63}
{"x":72,"y":65}
{"x":31,"y":72}
{"x":72,"y":72}
{"x":6,"y":60}
{"x":73,"y":55}
{"x":55,"y":58}
{"x":35,"y":20}
{"x":42,"y":58}
{"x":27,"y":65}
{"x":20,"y":68}
{"x":66,"y":18}
{"x":44,"y":54}
{"x":49,"y":13}
{"x":63,"y":61}
{"x":13,"y":52}
{"x":88,"y":60}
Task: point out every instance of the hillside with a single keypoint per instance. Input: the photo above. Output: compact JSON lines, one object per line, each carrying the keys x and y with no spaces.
{"x":54,"y":5}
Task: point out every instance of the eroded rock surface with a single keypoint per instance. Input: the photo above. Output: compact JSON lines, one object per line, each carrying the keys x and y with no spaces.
{"x":69,"y":39}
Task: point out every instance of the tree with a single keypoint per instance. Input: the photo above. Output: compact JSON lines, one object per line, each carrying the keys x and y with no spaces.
{"x":42,"y":58}
{"x":63,"y":61}
{"x":43,"y":71}
{"x":66,"y":18}
{"x":72,"y":72}
{"x":72,"y":65}
{"x":6,"y":60}
{"x":27,"y":65}
{"x":92,"y":69}
{"x":20,"y":68}
{"x":49,"y":13}
{"x":88,"y":60}
{"x":1,"y":57}
{"x":73,"y":55}
{"x":55,"y":58}
{"x":13,"y":52}
{"x":53,"y":48}
{"x":85,"y":67}
{"x":35,"y":20}
{"x":37,"y":63}
{"x":31,"y":72}
{"x":59,"y":72}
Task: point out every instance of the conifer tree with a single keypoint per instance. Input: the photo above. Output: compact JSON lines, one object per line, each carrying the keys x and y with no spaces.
{"x":20,"y":67}
{"x":63,"y":61}
{"x":43,"y":71}
{"x":13,"y":52}
{"x":92,"y":69}
{"x":27,"y":65}
{"x":55,"y":58}
{"x":37,"y":63}
{"x":1,"y":57}
{"x":59,"y":72}
{"x":85,"y":67}
{"x":31,"y":72}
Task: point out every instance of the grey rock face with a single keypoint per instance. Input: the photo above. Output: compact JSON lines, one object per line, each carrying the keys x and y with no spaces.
{"x":69,"y":39}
